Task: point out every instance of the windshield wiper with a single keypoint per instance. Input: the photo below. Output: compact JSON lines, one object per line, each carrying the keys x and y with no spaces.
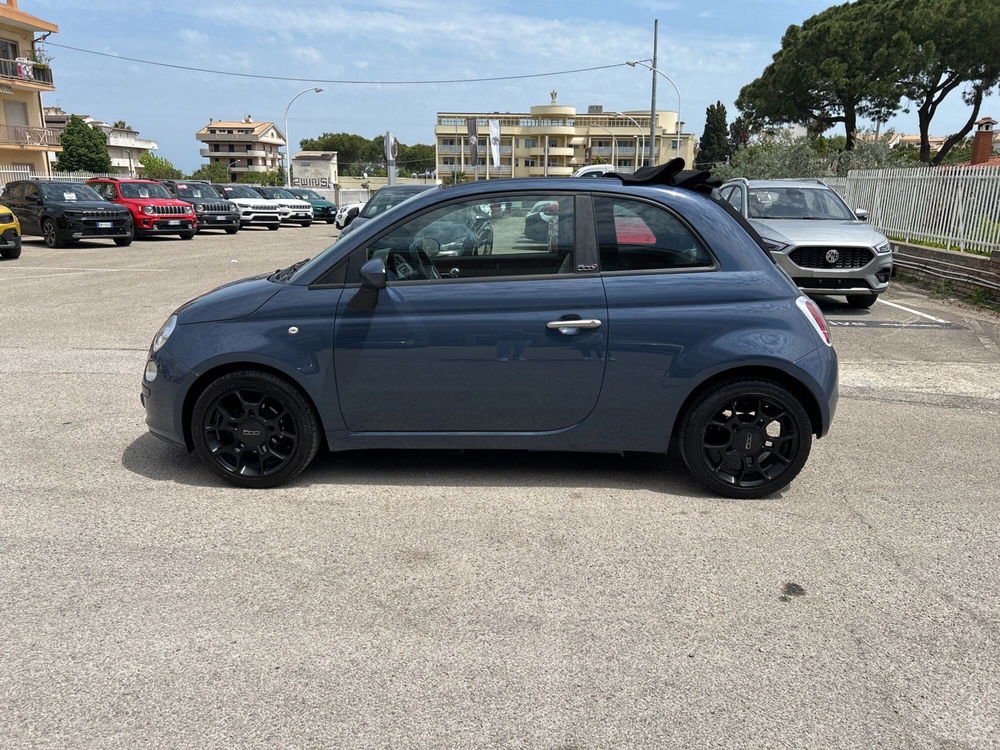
{"x":284,"y":274}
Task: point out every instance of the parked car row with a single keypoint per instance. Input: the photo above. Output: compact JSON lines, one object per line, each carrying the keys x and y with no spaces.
{"x":124,"y":209}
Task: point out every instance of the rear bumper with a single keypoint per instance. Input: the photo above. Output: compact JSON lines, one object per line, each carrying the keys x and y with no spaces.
{"x":823,"y":370}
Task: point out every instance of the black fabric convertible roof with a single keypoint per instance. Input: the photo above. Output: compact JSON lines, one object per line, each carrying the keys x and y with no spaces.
{"x":672,"y":173}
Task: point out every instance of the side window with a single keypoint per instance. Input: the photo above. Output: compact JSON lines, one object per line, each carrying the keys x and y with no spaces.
{"x":490,"y":236}
{"x":735,"y":198}
{"x":28,"y":189}
{"x":637,"y":236}
{"x":14,"y":191}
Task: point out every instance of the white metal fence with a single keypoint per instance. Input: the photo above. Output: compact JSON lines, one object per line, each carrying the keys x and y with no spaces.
{"x":957,"y":207}
{"x":10,"y":174}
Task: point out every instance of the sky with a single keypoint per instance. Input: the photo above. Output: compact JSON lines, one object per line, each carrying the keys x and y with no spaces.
{"x":710,"y":50}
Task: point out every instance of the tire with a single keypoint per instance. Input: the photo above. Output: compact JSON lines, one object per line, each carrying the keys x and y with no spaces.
{"x":123,"y":241}
{"x":331,"y":221}
{"x":187,"y":235}
{"x":274,"y":227}
{"x":254,"y":429}
{"x":305,"y":223}
{"x":10,"y":253}
{"x":862,"y":301}
{"x":728,"y":440}
{"x":50,"y":234}
{"x":231,"y":230}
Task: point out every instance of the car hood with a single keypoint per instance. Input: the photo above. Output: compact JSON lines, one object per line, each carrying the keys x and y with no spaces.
{"x":231,"y":301}
{"x":296,"y":204}
{"x":799,"y":231}
{"x":321,"y":204}
{"x":88,"y":206}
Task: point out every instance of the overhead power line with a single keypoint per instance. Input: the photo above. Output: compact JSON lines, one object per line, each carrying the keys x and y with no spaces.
{"x":333,"y":80}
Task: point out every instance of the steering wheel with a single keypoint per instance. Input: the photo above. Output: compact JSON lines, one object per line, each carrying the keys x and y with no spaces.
{"x":420,"y":260}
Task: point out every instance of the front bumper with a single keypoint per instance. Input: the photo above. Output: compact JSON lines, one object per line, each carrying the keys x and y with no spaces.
{"x":10,"y":237}
{"x":871,"y":278}
{"x":167,"y":226}
{"x":163,"y":399}
{"x":249,"y":216}
{"x":218,"y":221}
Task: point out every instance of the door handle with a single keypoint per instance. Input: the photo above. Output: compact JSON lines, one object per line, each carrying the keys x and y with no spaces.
{"x":572,"y":325}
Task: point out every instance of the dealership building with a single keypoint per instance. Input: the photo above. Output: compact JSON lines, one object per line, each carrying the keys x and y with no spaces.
{"x":554,"y":140}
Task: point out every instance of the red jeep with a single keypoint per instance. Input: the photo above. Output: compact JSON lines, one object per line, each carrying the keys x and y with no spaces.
{"x":154,"y":210}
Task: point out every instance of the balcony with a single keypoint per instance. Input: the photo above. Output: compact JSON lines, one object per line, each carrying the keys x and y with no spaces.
{"x":238,"y":154}
{"x":27,"y":73}
{"x":26,"y":136}
{"x":540,"y":171}
{"x":551,"y":151}
{"x":237,"y":138}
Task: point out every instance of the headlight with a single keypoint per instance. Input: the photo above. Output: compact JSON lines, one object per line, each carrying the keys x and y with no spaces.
{"x":773,"y":245}
{"x":885,"y":247}
{"x":164,"y":333}
{"x":199,"y":207}
{"x":6,"y":218}
{"x":148,"y":210}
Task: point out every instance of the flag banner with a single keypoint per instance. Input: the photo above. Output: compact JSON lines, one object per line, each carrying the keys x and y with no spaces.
{"x":495,"y":142}
{"x":471,"y":125}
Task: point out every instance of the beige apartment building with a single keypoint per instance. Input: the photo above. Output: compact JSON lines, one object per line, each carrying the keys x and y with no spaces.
{"x":124,"y":144}
{"x":553,"y":140}
{"x":243,"y":146}
{"x":25,"y":142}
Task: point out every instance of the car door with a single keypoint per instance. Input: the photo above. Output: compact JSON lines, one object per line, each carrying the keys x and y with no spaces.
{"x":13,"y":199}
{"x":478,"y":343}
{"x":33,"y":204}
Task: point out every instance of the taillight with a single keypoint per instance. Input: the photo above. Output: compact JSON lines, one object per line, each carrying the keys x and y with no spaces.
{"x":811,"y":310}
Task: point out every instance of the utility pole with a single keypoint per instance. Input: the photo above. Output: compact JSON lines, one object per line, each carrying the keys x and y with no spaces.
{"x":652,"y":106}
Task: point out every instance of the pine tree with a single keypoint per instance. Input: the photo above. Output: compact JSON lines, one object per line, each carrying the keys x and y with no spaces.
{"x":85,"y":149}
{"x":714,"y":145}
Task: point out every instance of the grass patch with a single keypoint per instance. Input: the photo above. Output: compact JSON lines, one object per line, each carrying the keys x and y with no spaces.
{"x":941,"y":246}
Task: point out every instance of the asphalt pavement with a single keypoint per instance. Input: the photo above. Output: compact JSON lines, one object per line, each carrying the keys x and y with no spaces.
{"x":509,"y":600}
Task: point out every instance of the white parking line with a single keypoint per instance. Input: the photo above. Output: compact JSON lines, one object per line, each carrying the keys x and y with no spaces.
{"x":911,"y":310}
{"x":75,"y":268}
{"x":42,"y":276}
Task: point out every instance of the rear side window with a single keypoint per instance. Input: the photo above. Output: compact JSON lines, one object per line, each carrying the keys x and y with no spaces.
{"x":638,"y":236}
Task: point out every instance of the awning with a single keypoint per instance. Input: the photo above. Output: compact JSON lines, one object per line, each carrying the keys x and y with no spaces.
{"x":578,"y":140}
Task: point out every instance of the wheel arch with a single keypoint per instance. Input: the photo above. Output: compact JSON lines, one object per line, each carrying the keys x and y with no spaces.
{"x":756,"y":372}
{"x":206,"y":378}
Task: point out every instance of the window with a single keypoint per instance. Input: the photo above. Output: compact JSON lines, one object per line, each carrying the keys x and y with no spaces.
{"x":734,"y":196}
{"x":797,"y":203}
{"x":501,"y":236}
{"x":530,"y":163}
{"x":8,"y":49}
{"x":15,"y":191}
{"x":637,"y":236}
{"x":531,"y":143}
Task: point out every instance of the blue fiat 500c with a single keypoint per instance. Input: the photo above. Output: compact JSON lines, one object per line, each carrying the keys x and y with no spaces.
{"x":623,"y":314}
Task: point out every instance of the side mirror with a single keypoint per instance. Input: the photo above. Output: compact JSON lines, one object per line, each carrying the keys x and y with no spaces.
{"x":352,"y":214}
{"x":373,"y":278}
{"x":861,"y":214}
{"x":373,"y":275}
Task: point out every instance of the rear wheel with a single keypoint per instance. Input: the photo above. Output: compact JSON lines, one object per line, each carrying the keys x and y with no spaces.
{"x":746,"y":438}
{"x":862,"y":301}
{"x":254,"y":429}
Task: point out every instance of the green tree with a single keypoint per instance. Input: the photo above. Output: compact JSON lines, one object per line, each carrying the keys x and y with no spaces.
{"x":275,"y":178}
{"x":714,"y":145}
{"x":157,"y":168}
{"x":944,"y":46}
{"x":835,"y":68}
{"x":85,"y":149}
{"x":120,"y":124}
{"x":740,"y":131}
{"x":213,"y":172}
{"x":419,"y":157}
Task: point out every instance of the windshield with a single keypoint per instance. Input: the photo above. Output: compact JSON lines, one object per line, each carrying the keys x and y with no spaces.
{"x":275,"y":192}
{"x":797,"y":203}
{"x":144,"y":190}
{"x":308,"y":195}
{"x":189,"y":190}
{"x":69,"y":191}
{"x":328,"y":254}
{"x":240,"y":191}
{"x":384,"y":199}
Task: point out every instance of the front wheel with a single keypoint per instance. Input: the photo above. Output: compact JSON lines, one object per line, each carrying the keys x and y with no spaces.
{"x":273,"y":227}
{"x":746,"y":438}
{"x":123,"y":241}
{"x":862,"y":301}
{"x":331,"y":221}
{"x":231,"y":230}
{"x":50,"y":235}
{"x":187,"y":235}
{"x":254,"y":429}
{"x":305,"y":223}
{"x":10,"y":253}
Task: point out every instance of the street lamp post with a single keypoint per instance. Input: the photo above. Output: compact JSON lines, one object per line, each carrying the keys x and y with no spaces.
{"x":642,"y":134}
{"x":614,"y":144}
{"x":288,"y":138}
{"x":646,"y":65}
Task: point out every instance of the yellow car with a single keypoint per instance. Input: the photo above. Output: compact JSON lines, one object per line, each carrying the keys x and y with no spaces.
{"x":10,"y":234}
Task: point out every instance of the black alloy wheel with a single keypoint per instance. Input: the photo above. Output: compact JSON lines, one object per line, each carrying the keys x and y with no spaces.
{"x":746,"y":439}
{"x":254,"y":429}
{"x":50,"y":235}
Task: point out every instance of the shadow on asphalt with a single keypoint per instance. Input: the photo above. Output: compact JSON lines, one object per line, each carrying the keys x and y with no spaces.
{"x":837,"y":306}
{"x":152,"y":458}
